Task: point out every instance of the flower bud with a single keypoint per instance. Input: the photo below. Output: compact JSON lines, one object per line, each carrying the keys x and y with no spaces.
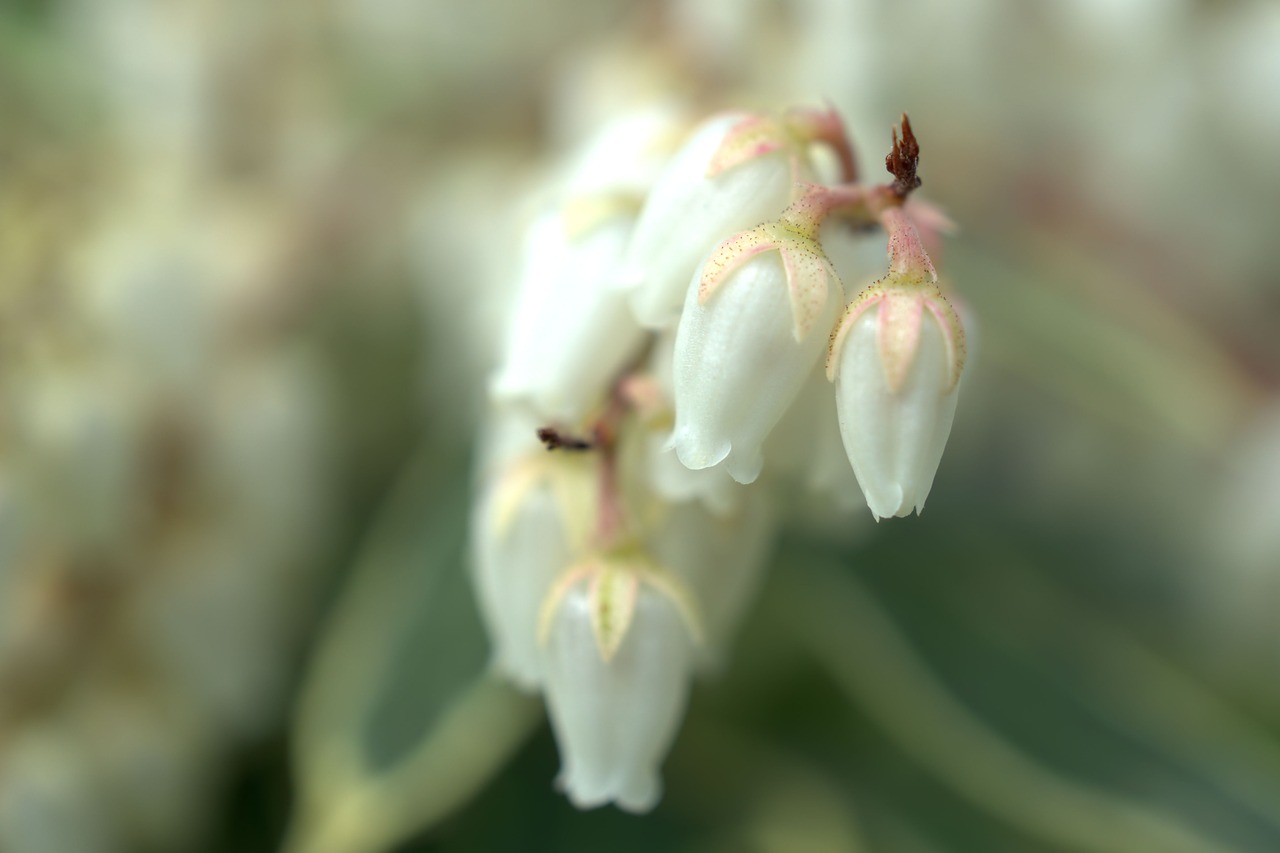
{"x":618,"y":650}
{"x":751,"y":331}
{"x":896,"y":359}
{"x":736,"y":171}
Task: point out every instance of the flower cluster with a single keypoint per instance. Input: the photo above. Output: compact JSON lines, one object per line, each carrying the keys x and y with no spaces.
{"x":681,"y":319}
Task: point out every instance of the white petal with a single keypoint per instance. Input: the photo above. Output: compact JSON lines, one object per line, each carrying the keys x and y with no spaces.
{"x":570,"y":333}
{"x":663,"y":472}
{"x":894,"y":441}
{"x":515,"y":561}
{"x":712,"y":487}
{"x":688,"y":214}
{"x":738,"y":367}
{"x":722,"y":559}
{"x":615,"y":721}
{"x":626,"y":154}
{"x":506,"y":435}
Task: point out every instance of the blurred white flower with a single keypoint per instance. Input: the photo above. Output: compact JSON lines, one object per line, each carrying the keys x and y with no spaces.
{"x":570,"y":333}
{"x":529,"y":522}
{"x":736,"y":171}
{"x":618,"y":653}
{"x":669,"y":479}
{"x":722,"y":558}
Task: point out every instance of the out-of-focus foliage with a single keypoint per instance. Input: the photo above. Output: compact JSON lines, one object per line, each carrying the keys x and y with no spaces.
{"x":253,"y":259}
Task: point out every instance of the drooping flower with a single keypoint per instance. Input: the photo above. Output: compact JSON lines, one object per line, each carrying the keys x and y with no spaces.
{"x":530,"y":521}
{"x":736,"y":171}
{"x":651,"y":444}
{"x":619,"y":637}
{"x":570,"y":333}
{"x":752,"y":330}
{"x":896,"y":358}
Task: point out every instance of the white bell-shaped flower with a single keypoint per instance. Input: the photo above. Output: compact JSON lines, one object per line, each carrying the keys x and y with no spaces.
{"x":737,"y":170}
{"x":652,"y":452}
{"x":618,"y":651}
{"x":722,"y":558}
{"x":530,"y":523}
{"x":896,"y":360}
{"x":570,"y":333}
{"x":754,"y":325}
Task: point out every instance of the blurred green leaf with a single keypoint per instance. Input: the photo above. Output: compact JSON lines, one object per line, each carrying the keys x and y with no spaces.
{"x":399,"y":722}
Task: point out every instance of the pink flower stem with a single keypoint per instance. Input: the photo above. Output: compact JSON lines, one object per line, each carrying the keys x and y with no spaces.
{"x":610,"y":516}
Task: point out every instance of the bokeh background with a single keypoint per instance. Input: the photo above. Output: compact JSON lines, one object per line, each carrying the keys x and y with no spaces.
{"x":254,"y":258}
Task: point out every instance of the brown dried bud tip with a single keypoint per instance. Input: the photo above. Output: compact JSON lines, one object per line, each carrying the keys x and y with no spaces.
{"x":554,"y":439}
{"x":903,"y":160}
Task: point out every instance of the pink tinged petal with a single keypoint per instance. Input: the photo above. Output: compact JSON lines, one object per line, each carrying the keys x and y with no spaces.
{"x":898,"y":335}
{"x":894,"y":438}
{"x":687,"y":215}
{"x":814,"y":125}
{"x":752,"y":137}
{"x":809,"y":279}
{"x":952,"y":336}
{"x":612,"y":603}
{"x":868,"y":298}
{"x":730,"y":255}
